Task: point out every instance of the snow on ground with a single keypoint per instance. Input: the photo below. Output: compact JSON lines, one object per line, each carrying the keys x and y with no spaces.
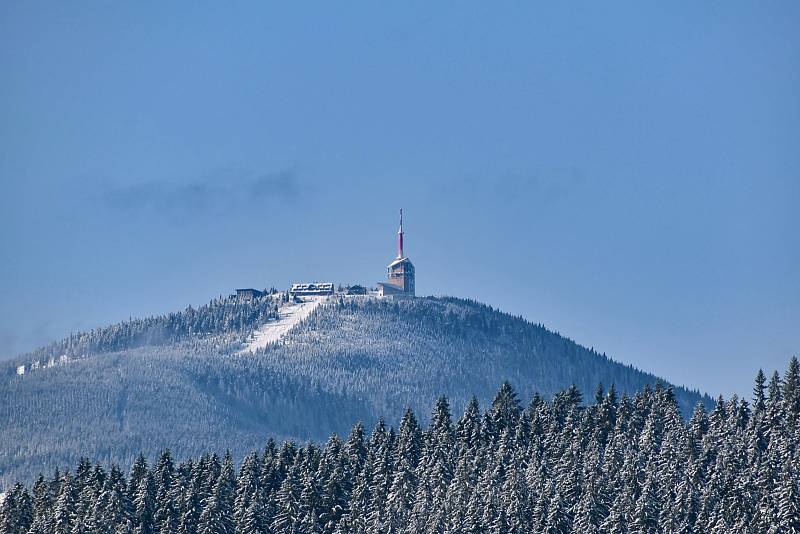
{"x":289,"y":315}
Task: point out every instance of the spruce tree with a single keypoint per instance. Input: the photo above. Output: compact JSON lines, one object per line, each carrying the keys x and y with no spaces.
{"x":335,"y":488}
{"x":404,"y":479}
{"x":791,"y":389}
{"x":217,"y":516}
{"x":252,"y":521}
{"x":16,"y":512}
{"x":759,"y":400}
{"x":505,"y":408}
{"x":788,"y":504}
{"x":138,"y":472}
{"x":644,"y":519}
{"x":118,"y":509}
{"x":144,"y":505}
{"x":468,"y":429}
{"x":65,"y":506}
{"x":248,"y":485}
{"x":310,"y":502}
{"x":42,"y":505}
{"x":165,"y":517}
{"x":557,"y":517}
{"x":287,"y":518}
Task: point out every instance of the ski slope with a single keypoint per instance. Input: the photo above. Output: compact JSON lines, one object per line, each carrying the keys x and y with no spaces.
{"x":273,"y":330}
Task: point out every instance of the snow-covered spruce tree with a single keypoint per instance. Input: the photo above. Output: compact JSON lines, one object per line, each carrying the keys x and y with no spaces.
{"x":378,"y":470}
{"x":42,"y":504}
{"x":166,"y":517}
{"x":435,"y":469}
{"x":310,"y":498}
{"x":334,"y":488}
{"x":287,"y":516}
{"x":117,"y":510}
{"x":16,"y":512}
{"x":404,"y":479}
{"x":253,"y":519}
{"x":791,"y":389}
{"x":64,"y":511}
{"x":217,"y":514}
{"x":144,"y":505}
{"x":247,"y":485}
{"x":137,"y":473}
{"x":759,"y":400}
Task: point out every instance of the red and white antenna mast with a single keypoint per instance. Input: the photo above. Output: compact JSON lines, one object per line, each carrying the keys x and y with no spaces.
{"x":400,"y":236}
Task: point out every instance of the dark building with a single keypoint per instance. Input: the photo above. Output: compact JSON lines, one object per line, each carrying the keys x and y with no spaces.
{"x":400,"y":279}
{"x":356,"y":290}
{"x":248,"y":294}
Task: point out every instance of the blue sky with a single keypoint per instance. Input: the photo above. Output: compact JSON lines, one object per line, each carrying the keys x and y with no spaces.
{"x":627,"y":174}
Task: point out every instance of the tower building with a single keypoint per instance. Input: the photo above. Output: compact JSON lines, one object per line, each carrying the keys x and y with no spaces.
{"x":400,"y":279}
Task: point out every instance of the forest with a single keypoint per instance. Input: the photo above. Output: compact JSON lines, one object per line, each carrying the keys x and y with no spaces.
{"x":616,"y":464}
{"x":221,"y":315}
{"x":178,"y":381}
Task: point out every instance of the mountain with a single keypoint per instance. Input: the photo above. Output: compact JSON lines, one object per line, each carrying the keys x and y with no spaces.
{"x":182,"y":381}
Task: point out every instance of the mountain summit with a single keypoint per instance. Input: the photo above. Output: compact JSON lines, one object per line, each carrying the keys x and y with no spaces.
{"x":217,"y":377}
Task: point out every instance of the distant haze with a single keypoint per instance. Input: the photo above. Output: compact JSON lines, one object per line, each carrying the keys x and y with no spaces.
{"x":627,"y":174}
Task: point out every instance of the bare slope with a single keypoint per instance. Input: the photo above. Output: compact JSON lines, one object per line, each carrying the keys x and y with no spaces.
{"x":291,"y":314}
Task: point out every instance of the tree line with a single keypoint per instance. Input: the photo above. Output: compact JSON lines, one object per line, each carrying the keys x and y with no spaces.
{"x":221,"y":315}
{"x":618,"y":464}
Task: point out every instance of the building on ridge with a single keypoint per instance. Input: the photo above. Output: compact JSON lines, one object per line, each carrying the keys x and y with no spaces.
{"x":248,"y":294}
{"x":356,"y":290}
{"x":400,"y":279}
{"x":316,"y":289}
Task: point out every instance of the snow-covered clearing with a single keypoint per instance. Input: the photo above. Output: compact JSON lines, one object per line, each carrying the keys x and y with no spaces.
{"x":290,"y":314}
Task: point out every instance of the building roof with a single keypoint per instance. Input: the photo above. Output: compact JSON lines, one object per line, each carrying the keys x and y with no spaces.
{"x":316,"y":286}
{"x":391,"y":285}
{"x":399,"y":261}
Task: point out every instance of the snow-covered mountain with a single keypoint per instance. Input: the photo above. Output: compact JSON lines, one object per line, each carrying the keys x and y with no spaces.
{"x":231,"y":374}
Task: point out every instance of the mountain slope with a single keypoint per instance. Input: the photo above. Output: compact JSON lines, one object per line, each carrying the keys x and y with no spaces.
{"x":184,"y":384}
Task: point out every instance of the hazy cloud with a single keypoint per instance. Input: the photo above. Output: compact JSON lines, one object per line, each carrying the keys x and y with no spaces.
{"x":549,"y":186}
{"x":13,"y":342}
{"x":544,"y":187}
{"x":8,"y":343}
{"x":281,"y":185}
{"x":219,"y":194}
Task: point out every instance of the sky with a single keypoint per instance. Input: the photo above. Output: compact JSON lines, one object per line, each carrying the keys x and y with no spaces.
{"x":626,"y":173}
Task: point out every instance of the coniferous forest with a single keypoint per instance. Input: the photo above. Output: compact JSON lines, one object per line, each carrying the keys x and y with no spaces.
{"x":178,"y":380}
{"x":615,"y":464}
